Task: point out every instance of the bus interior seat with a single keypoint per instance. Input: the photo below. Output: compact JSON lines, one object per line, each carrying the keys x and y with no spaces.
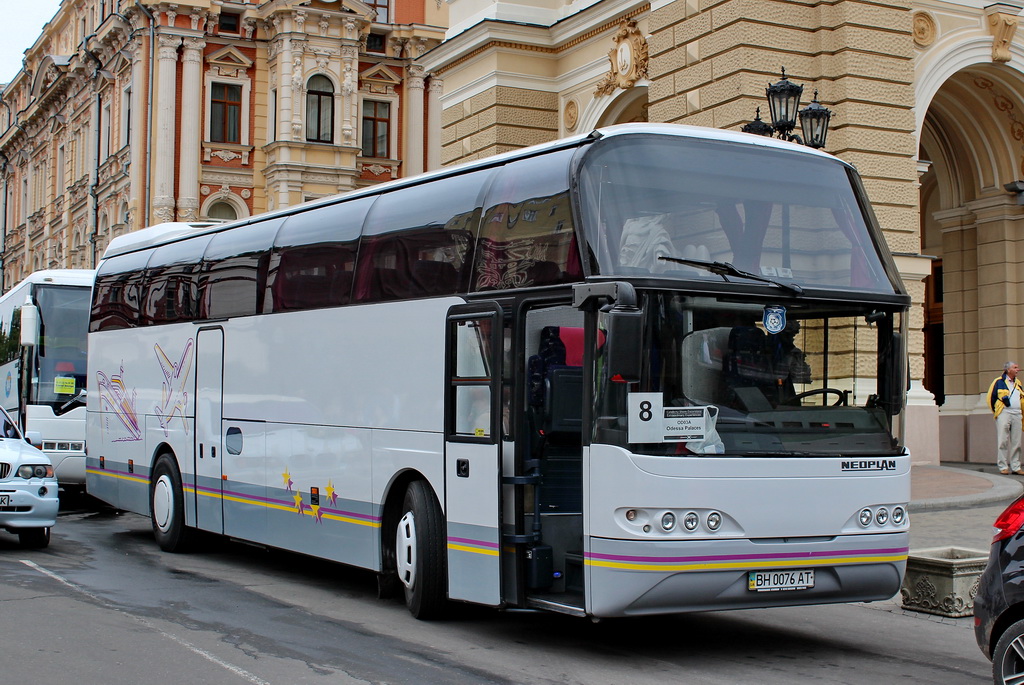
{"x":556,"y":401}
{"x":543,"y":273}
{"x":435,"y":278}
{"x":300,"y":291}
{"x":747,"y":368}
{"x":703,"y":354}
{"x":341,"y":287}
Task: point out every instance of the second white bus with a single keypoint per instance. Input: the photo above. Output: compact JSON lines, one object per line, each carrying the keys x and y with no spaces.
{"x":43,"y":364}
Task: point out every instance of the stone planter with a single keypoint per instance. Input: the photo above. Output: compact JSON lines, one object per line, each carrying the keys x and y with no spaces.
{"x":943,"y":580}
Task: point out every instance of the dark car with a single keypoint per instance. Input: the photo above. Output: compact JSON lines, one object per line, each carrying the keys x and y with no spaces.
{"x":999,"y":604}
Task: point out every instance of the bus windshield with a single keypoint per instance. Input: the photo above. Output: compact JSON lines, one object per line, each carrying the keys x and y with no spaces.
{"x":61,"y":351}
{"x":718,"y":381}
{"x":673,"y":206}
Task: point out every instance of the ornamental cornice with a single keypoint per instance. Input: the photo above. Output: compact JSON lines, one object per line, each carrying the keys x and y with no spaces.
{"x":540,"y":46}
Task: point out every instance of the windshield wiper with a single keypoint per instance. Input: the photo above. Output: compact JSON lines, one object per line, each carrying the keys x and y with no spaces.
{"x":725,"y":269}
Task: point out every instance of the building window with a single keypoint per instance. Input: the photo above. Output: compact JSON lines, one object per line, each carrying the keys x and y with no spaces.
{"x":320,"y":110}
{"x":376,"y":128}
{"x":273,"y":115}
{"x":126,"y":117}
{"x":222,"y":210}
{"x":226,"y":113}
{"x":228,"y":23}
{"x":375,"y":43}
{"x":382,"y":10}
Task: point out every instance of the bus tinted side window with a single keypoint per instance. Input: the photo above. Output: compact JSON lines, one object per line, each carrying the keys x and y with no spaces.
{"x":171,"y":291}
{"x":233,"y":279}
{"x":10,"y":324}
{"x":417,"y":241}
{"x":526,"y":236}
{"x":115,"y":300}
{"x":314,"y":257}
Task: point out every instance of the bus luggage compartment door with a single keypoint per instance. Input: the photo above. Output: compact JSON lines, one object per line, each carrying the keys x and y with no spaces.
{"x":209,"y":409}
{"x":473,"y":453}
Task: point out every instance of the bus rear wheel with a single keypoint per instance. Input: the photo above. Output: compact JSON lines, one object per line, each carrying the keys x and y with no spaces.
{"x":167,"y":506}
{"x":420,"y":553}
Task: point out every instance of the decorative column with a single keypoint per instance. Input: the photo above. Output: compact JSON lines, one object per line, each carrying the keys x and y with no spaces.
{"x":163,"y":142}
{"x":434,"y":91}
{"x":350,"y":36}
{"x":191,"y":142}
{"x":413,"y":152}
{"x":139,"y":200}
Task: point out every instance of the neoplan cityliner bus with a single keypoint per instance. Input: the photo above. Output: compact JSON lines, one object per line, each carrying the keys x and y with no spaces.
{"x":44,"y":320}
{"x":650,"y":369}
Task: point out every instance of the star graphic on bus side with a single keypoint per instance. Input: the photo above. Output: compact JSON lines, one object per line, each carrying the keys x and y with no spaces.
{"x":331,"y":493}
{"x":287,"y":480}
{"x":318,"y":513}
{"x":300,"y":506}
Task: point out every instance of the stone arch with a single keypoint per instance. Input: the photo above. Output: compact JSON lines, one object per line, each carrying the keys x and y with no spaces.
{"x":226,"y":197}
{"x":617,"y":108}
{"x":970,"y":145}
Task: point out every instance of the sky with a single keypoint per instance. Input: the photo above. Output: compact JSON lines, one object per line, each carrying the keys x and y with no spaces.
{"x":21,"y":22}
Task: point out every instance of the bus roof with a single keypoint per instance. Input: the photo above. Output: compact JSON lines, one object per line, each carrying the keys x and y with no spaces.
{"x":84,"y":277}
{"x":160,"y":234}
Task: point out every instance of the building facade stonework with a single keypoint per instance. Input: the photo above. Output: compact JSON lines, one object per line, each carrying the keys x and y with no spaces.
{"x":927,"y":101}
{"x":127,"y":114}
{"x":206,"y":109}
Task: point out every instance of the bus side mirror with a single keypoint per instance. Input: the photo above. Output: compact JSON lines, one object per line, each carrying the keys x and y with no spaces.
{"x":625,"y":342}
{"x":29,"y":324}
{"x":895,"y":387}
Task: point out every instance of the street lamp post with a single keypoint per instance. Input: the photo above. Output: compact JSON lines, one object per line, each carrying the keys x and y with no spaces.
{"x":783,"y":101}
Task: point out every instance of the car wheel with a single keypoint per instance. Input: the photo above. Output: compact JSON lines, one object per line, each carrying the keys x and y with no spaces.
{"x":167,"y":506}
{"x":420,"y":553}
{"x":34,"y":538}
{"x":1008,"y":656}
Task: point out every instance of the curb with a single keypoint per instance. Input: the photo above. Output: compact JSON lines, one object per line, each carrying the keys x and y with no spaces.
{"x":1003,"y":491}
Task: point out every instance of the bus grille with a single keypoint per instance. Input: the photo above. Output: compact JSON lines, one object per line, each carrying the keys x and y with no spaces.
{"x":5,"y":470}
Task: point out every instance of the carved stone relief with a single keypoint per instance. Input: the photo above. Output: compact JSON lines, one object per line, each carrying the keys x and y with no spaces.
{"x":628,"y":60}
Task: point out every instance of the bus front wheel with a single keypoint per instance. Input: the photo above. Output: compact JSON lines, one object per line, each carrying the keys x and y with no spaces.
{"x":167,"y":506}
{"x":420,"y":553}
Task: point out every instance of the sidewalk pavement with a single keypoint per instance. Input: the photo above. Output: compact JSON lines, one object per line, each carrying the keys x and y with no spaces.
{"x":955,"y":504}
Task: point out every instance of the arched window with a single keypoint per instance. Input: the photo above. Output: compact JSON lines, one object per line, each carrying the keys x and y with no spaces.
{"x":222,"y":210}
{"x":320,"y":110}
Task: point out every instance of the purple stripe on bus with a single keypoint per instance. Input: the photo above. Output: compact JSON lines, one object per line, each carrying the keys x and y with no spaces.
{"x":749,"y":557}
{"x":478,"y":543}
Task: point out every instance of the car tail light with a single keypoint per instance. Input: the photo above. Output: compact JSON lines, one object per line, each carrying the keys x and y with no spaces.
{"x":1010,"y":521}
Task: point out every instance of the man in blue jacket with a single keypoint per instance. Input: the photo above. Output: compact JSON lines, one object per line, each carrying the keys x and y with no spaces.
{"x":1006,"y":400}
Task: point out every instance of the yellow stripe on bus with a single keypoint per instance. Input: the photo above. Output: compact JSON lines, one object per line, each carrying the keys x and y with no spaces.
{"x":787,"y":563}
{"x":134,"y":479}
{"x":474,"y":550}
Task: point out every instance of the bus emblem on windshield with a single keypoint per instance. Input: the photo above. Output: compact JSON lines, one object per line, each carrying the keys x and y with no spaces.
{"x":774,"y":319}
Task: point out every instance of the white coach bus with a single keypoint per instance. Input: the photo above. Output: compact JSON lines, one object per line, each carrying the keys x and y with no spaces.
{"x":651,"y":369}
{"x":43,"y":325}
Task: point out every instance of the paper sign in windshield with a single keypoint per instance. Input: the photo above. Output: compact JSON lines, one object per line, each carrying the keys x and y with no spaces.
{"x":63,"y":386}
{"x":651,"y":421}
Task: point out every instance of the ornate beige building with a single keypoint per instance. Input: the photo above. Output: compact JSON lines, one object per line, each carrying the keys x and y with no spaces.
{"x":212,"y":108}
{"x":927,"y":101}
{"x":131,"y":113}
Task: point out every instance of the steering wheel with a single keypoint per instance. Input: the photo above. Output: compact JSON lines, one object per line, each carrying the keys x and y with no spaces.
{"x":821,"y":391}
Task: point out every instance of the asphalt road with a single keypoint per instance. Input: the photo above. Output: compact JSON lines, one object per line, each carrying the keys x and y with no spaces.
{"x":103,"y":605}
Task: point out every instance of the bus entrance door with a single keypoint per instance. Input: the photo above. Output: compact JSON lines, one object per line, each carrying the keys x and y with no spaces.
{"x":473,"y":453}
{"x":209,"y":406}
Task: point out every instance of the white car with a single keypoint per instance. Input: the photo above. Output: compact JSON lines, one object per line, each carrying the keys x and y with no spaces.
{"x":28,"y":488}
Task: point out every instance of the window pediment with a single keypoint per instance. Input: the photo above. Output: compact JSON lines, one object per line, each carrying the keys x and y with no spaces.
{"x":229,"y":62}
{"x":380,"y":73}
